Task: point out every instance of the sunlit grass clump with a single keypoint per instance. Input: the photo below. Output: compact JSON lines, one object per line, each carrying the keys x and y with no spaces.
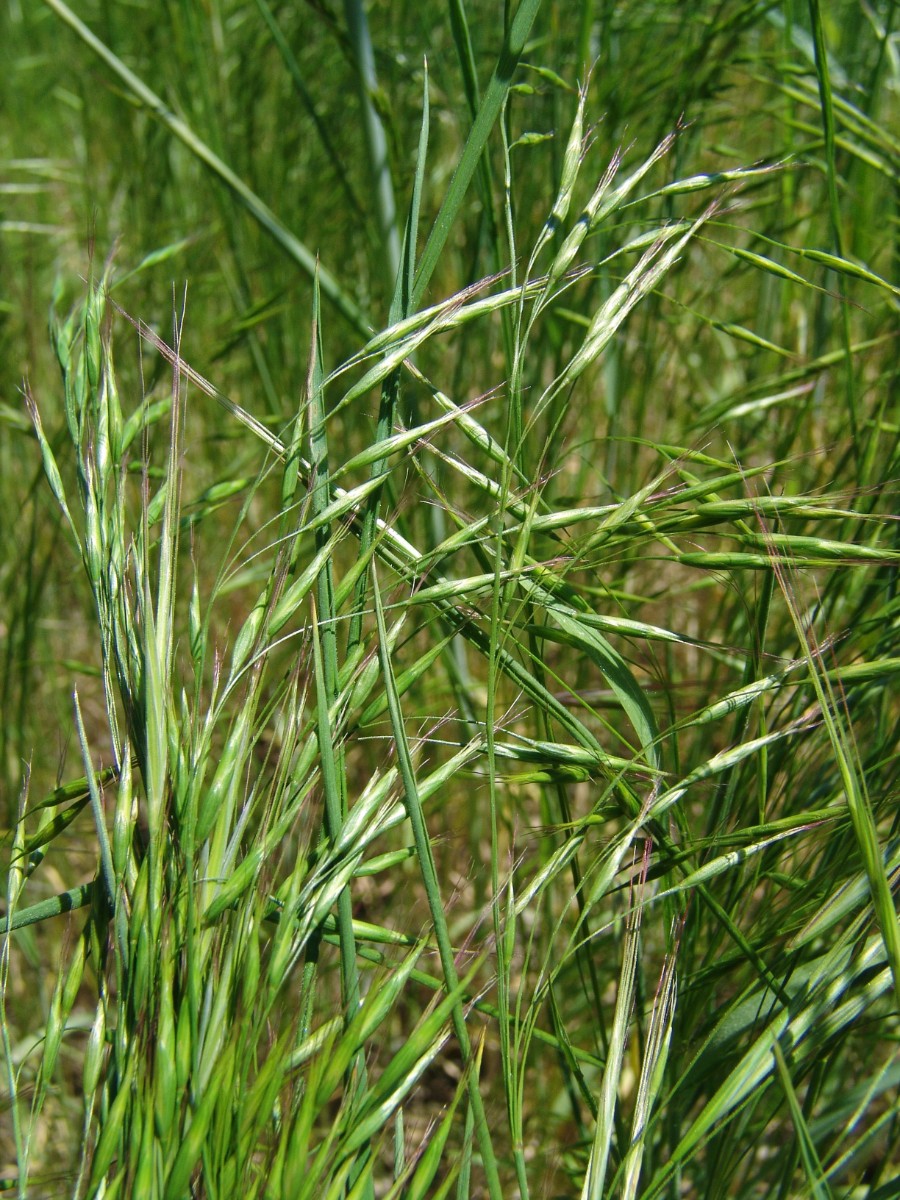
{"x":449,"y":660}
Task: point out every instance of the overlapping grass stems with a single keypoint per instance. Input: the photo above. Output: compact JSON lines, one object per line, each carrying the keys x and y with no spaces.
{"x":510,"y":807}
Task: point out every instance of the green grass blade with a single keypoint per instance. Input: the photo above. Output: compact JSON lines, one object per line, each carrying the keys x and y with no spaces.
{"x":256,"y":207}
{"x":433,"y":893}
{"x":491,"y":106}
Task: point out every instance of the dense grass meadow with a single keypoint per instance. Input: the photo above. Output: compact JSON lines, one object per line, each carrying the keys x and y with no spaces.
{"x":449,"y":615}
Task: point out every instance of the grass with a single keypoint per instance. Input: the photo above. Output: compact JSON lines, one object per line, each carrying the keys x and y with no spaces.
{"x":449,"y":724}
